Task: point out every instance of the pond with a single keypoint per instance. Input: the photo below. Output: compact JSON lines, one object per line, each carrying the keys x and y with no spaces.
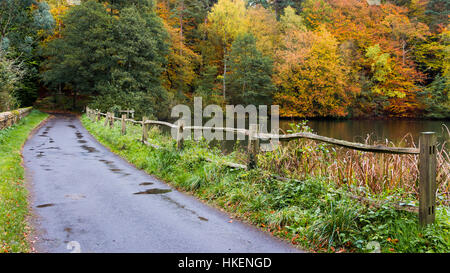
{"x":396,"y":131}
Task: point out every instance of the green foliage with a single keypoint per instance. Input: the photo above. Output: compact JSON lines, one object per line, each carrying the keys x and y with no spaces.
{"x":13,"y":192}
{"x":250,"y":81}
{"x":80,"y":59}
{"x":10,"y":76}
{"x":207,"y":85}
{"x":436,"y":98}
{"x":438,"y":12}
{"x":23,"y":24}
{"x":112,"y":57}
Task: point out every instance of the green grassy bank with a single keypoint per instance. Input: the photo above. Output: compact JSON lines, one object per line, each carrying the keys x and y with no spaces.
{"x":314,"y":213}
{"x":13,"y":193}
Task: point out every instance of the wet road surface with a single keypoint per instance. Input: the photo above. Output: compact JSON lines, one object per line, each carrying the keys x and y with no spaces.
{"x":82,"y":192}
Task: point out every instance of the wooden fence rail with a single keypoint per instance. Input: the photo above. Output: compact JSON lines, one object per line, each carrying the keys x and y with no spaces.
{"x":426,"y":151}
{"x":8,"y":119}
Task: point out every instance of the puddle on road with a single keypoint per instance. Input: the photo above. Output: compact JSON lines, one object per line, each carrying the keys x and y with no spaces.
{"x":146,"y":183}
{"x":52,"y":148}
{"x":48,"y":170}
{"x":71,"y":126}
{"x":154,"y":191}
{"x":107,"y":162}
{"x":167,"y":198}
{"x":113,"y":167}
{"x":82,"y":141}
{"x":45,"y":205}
{"x":89,"y":149}
{"x":40,"y":154}
{"x":79,"y":135}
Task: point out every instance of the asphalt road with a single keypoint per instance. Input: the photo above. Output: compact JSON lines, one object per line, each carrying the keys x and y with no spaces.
{"x":84,"y":195}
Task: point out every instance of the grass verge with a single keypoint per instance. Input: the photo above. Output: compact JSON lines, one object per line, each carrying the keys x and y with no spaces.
{"x":314,"y":213}
{"x":13,"y":192}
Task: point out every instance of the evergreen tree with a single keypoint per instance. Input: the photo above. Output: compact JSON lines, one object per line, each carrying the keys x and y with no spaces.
{"x":80,"y":60}
{"x":250,"y":81}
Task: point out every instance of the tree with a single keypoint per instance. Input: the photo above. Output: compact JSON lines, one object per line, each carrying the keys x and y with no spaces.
{"x":438,"y":12}
{"x":436,"y":58}
{"x":23,"y":24}
{"x":79,"y":60}
{"x":265,"y":28}
{"x":358,"y":26}
{"x":226,"y":21}
{"x":251,"y":73}
{"x":181,"y":60}
{"x":207,"y":85}
{"x":102,"y":55}
{"x":311,"y":75}
{"x":10,"y":76}
{"x":436,"y":98}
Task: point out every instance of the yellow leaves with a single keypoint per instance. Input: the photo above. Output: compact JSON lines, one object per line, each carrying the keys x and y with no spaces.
{"x":264,"y":27}
{"x":312,"y":75}
{"x":228,"y":19}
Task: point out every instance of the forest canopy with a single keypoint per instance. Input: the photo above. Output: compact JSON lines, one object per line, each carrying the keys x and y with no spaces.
{"x":314,"y":58}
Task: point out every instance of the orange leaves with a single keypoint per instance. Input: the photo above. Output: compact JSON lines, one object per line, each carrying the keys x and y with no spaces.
{"x":394,"y":241}
{"x":312,"y":75}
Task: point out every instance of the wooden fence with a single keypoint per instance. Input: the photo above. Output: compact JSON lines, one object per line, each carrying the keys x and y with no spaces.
{"x":426,"y":151}
{"x":8,"y":119}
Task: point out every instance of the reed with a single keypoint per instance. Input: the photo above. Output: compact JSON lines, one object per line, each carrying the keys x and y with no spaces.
{"x":361,"y":172}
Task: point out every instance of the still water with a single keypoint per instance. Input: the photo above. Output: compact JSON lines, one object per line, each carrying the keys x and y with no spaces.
{"x":394,"y":130}
{"x":398,"y":132}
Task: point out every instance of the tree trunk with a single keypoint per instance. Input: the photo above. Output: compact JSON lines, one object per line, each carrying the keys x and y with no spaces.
{"x":74,"y":101}
{"x":181,"y":27}
{"x":224,"y":71}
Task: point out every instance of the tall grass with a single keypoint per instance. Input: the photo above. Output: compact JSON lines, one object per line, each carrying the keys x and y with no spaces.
{"x":362,"y":172}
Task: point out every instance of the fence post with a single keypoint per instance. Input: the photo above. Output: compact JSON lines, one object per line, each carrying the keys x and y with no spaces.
{"x":427,"y":177}
{"x":106,"y":119}
{"x":253,"y":146}
{"x":144,"y":129}
{"x":98,"y":115}
{"x":180,"y":137}
{"x":111,"y":120}
{"x":124,"y":128}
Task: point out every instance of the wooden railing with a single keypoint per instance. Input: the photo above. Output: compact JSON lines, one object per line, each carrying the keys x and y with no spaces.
{"x":426,"y":151}
{"x":10,"y":118}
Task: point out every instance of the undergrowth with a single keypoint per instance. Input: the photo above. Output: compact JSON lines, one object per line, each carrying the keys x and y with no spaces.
{"x":313,"y":212}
